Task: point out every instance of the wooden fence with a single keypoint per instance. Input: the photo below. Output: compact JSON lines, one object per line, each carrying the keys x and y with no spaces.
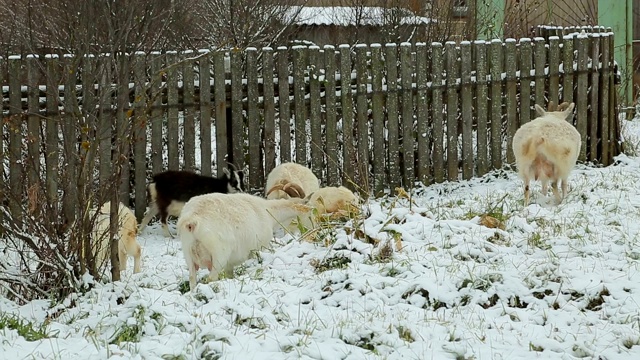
{"x":377,"y":116}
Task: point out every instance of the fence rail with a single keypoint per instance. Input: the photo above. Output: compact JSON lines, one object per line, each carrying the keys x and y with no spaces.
{"x":378,"y":116}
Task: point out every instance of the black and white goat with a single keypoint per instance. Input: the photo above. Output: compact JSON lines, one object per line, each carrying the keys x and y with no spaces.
{"x":170,"y":190}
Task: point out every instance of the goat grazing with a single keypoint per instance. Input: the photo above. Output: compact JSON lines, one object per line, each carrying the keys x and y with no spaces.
{"x":330,"y":200}
{"x":170,"y":190}
{"x":127,"y":229}
{"x":219,"y":231}
{"x":290,"y":175}
{"x":546,"y":149}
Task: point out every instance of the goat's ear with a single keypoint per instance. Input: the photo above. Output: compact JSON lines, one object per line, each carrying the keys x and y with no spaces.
{"x":226,"y":172}
{"x":540,"y":110}
{"x":569,"y":110}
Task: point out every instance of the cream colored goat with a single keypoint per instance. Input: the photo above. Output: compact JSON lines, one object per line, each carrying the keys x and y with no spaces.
{"x":219,"y":231}
{"x":330,"y":200}
{"x":546,"y":149}
{"x":127,"y":230}
{"x":290,"y":176}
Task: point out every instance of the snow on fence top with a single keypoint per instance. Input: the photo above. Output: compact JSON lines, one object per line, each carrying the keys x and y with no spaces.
{"x":414,"y":112}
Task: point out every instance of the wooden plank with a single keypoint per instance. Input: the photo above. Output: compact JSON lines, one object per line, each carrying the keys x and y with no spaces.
{"x":299,"y":106}
{"x":157,"y":114}
{"x":467,"y":114}
{"x":284,"y":106}
{"x":539,"y":61}
{"x":106,"y":119}
{"x":256,"y":171}
{"x":204,"y":82}
{"x":140,"y":120}
{"x":237,"y":119}
{"x":69,"y":136}
{"x":510,"y":64}
{"x":453,"y":70}
{"x":52,"y":145}
{"x":436,"y":108}
{"x":581,"y":94}
{"x":524,"y":61}
{"x":346,"y":99}
{"x":422,"y":116}
{"x":482,"y":108}
{"x":33,"y":123}
{"x":391,"y":59}
{"x":567,"y":68}
{"x":173,"y":152}
{"x":317,"y":158}
{"x":331,"y":148}
{"x":408,"y":140}
{"x":220,"y":101}
{"x":594,"y":100}
{"x":377,"y":104}
{"x":554,"y":70}
{"x":496,"y":103}
{"x":604,"y":99}
{"x":123,"y":132}
{"x":362,"y":118}
{"x":269,"y":110}
{"x":188,"y":111}
{"x":16,"y":175}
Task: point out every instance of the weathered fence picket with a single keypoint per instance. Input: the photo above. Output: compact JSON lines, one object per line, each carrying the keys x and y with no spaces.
{"x":372,"y":117}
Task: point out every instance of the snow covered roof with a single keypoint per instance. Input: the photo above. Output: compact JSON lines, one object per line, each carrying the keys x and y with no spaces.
{"x":345,"y":16}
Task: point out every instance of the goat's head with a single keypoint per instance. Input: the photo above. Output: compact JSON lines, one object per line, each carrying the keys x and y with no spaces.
{"x":563,"y":111}
{"x":235,"y":180}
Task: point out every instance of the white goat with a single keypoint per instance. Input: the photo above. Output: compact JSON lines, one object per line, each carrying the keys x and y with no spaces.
{"x":546,"y":149}
{"x":290,"y":176}
{"x":330,"y":200}
{"x":127,"y":229}
{"x":219,"y":231}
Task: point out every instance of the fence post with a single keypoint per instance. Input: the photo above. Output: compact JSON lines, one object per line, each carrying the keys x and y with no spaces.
{"x":539,"y":60}
{"x":157,"y":76}
{"x":314,"y":112}
{"x":604,"y":100}
{"x":14,"y":126}
{"x":581,"y":93}
{"x":482,"y":108}
{"x":554,"y":69}
{"x":269,"y":110}
{"x":331,"y":148}
{"x":204,"y":85}
{"x":299,"y":103}
{"x":235,"y":127}
{"x":408,"y":139}
{"x":140,"y":132}
{"x":453,"y":70}
{"x":436,"y":108}
{"x":594,"y":87}
{"x":422,"y":116}
{"x":348,"y":155}
{"x":256,"y":175}
{"x":220,"y":101}
{"x":284,"y":107}
{"x":33,"y":123}
{"x":496,"y":103}
{"x":510,"y":63}
{"x":188,"y":111}
{"x":467,"y":114}
{"x":52,"y":158}
{"x":377,"y":110}
{"x":362,"y":119}
{"x":393,"y":150}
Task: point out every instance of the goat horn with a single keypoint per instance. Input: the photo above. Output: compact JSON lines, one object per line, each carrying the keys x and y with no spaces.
{"x":294,"y":190}
{"x":275,"y":187}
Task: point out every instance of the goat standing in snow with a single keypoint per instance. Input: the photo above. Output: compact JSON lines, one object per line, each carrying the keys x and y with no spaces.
{"x":170,"y":190}
{"x":546,"y":149}
{"x":127,"y":229}
{"x":219,"y":231}
{"x":330,"y":200}
{"x":290,"y":175}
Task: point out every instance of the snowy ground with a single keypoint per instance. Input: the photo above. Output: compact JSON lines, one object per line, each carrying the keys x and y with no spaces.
{"x":559,"y":282}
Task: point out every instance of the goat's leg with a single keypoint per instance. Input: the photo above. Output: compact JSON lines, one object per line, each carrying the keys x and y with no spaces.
{"x":153,"y":211}
{"x":526,"y":191}
{"x":164,"y":215}
{"x":564,"y":188}
{"x":556,"y":193}
{"x":122,"y":256}
{"x":193,"y":273}
{"x":545,"y":185}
